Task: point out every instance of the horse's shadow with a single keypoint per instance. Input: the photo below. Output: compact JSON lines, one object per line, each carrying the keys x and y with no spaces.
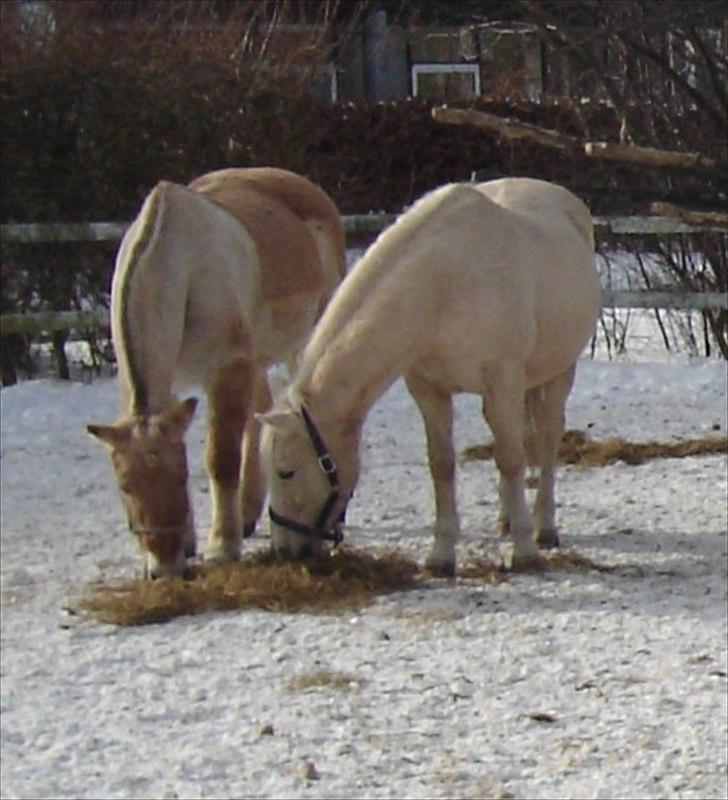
{"x":676,"y":581}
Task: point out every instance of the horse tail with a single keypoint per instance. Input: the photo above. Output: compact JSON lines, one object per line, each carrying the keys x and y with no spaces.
{"x":138,"y":240}
{"x":332,"y":254}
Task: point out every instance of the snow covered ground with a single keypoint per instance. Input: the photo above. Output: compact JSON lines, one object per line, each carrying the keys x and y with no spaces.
{"x":564,"y":685}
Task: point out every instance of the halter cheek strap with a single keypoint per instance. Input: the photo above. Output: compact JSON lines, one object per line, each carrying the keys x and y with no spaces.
{"x":328,"y":467}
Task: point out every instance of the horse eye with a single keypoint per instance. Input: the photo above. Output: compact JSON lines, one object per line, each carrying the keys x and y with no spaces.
{"x":286,"y":474}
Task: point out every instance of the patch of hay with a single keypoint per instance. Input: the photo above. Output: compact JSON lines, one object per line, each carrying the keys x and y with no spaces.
{"x":487,"y":571}
{"x":577,"y":448}
{"x":571,"y":561}
{"x":483,"y":569}
{"x":322,"y":679}
{"x":346,"y":579}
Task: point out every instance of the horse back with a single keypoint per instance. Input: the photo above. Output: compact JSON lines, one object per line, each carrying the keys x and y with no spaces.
{"x":294,"y":224}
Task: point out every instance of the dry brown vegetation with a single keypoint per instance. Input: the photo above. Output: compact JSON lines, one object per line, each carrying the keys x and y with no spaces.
{"x":322,"y":679}
{"x":577,"y":448}
{"x":346,"y":579}
{"x":485,"y":570}
{"x":343,"y":580}
{"x":331,"y":583}
{"x":571,"y":561}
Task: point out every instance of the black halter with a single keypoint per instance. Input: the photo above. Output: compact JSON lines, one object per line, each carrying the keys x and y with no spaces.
{"x":326,"y":462}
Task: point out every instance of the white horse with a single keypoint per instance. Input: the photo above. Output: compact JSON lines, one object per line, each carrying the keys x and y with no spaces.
{"x":488,"y":289}
{"x":213,"y":283}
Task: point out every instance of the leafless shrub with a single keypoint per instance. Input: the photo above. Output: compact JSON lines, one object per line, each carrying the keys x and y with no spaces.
{"x":666,"y":77}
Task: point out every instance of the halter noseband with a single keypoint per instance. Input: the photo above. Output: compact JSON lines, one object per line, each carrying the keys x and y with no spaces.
{"x":328,"y":467}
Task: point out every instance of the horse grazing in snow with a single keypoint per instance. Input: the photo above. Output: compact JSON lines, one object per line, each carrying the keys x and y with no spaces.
{"x":213,"y":283}
{"x":488,"y":289}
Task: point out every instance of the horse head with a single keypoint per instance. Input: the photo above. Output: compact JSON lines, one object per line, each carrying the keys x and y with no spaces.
{"x":311,"y":476}
{"x":150,"y":461}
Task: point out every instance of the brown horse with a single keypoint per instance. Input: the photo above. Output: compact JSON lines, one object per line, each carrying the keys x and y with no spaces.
{"x":213,"y":283}
{"x":489,"y":289}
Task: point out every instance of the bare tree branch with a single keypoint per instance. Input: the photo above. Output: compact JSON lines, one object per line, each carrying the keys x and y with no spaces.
{"x":630,"y":154}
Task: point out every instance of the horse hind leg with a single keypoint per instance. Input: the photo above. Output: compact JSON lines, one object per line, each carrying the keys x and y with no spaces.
{"x":504,"y":522}
{"x":190,"y":537}
{"x":229,"y":400}
{"x":504,"y":411}
{"x":547,"y":405}
{"x":436,"y":409}
{"x":253,"y":487}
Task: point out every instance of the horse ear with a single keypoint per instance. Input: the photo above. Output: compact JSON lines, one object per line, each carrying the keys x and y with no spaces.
{"x":179,"y":416}
{"x":112,"y":435}
{"x":281,"y":420}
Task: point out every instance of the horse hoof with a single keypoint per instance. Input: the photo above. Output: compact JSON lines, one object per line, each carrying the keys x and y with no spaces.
{"x":548,"y":539}
{"x":190,"y":550}
{"x":531,"y":563}
{"x":248,"y":530}
{"x":440,"y":569}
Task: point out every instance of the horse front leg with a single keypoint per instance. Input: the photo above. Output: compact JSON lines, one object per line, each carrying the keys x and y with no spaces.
{"x":253,"y":487}
{"x":229,"y":400}
{"x":435,"y":406}
{"x":504,"y":411}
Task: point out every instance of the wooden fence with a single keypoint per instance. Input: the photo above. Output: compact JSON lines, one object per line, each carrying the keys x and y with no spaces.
{"x":355,"y":225}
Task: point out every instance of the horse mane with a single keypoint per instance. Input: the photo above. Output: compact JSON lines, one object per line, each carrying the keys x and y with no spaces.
{"x":373,"y":268}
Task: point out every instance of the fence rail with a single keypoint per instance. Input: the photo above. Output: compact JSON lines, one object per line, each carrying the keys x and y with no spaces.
{"x":40,"y":232}
{"x":51,"y":321}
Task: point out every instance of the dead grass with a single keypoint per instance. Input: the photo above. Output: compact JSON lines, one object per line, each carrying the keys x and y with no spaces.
{"x":577,"y":448}
{"x":347,"y":579}
{"x":571,"y":561}
{"x":484,"y":570}
{"x":322,"y":679}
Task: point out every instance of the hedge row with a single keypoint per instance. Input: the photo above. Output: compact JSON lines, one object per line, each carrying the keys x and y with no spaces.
{"x":91,"y":147}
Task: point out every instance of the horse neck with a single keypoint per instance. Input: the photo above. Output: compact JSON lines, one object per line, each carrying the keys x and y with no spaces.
{"x":361,"y":346}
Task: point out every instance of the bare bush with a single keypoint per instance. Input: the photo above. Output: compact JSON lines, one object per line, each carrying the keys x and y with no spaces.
{"x":664,"y":71}
{"x":102,"y":98}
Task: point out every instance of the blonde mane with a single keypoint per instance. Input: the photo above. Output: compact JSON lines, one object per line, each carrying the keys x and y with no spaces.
{"x":375,"y":266}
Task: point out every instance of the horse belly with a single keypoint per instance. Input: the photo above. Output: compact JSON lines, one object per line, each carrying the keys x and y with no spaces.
{"x":566,"y":313}
{"x":452,"y":376}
